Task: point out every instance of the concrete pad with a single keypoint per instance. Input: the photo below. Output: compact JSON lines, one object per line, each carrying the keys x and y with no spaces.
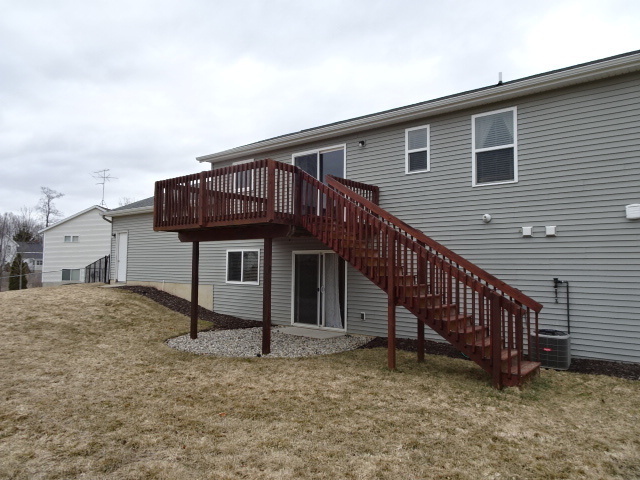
{"x":309,"y":332}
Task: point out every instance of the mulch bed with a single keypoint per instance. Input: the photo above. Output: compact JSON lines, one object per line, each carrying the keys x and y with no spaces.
{"x":180,"y":305}
{"x":630,"y":371}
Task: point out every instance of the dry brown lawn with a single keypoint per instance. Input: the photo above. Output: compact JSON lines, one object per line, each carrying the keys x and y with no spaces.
{"x":90,"y":390}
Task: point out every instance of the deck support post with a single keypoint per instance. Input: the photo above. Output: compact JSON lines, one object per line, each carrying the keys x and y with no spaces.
{"x":420,"y":341}
{"x":496,"y":339}
{"x":195,"y":261}
{"x":422,"y":280}
{"x":391,"y":307}
{"x":266,"y":296}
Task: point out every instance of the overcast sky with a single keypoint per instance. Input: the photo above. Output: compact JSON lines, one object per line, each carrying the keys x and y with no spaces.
{"x":143,"y":87}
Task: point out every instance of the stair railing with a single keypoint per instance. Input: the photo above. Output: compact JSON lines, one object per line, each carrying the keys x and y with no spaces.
{"x":98,"y":271}
{"x":451,"y":294}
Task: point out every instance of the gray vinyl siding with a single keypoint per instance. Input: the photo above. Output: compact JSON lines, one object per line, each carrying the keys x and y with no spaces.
{"x":160,"y":256}
{"x":578,"y":166}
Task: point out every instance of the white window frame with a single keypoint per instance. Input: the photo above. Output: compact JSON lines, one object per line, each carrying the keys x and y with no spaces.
{"x":70,"y":270}
{"x":513,"y":145}
{"x":407,"y":151}
{"x":242,"y":250}
{"x":71,"y":238}
{"x":249,"y":188}
{"x":318,"y":151}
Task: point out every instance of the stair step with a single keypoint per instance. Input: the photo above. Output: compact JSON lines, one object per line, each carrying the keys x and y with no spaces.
{"x":422,"y":301}
{"x":366,"y":251}
{"x":415,"y":289}
{"x":471,"y":333}
{"x":453,"y":323}
{"x":446,"y":312}
{"x":526,"y":368}
{"x":383,"y":271}
{"x":477,"y":345}
{"x":506,"y":354}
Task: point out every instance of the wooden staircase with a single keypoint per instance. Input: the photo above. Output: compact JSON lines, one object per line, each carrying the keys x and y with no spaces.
{"x":492,"y":323}
{"x":476,"y":313}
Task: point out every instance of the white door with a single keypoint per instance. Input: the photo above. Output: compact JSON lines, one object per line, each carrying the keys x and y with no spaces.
{"x":121,"y":271}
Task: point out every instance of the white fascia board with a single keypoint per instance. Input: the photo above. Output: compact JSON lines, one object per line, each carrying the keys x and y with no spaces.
{"x":57,"y":224}
{"x":131,"y":211}
{"x":517,"y":88}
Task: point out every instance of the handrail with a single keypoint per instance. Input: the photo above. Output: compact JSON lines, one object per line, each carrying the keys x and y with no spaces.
{"x":514,"y":293}
{"x":373,"y":190}
{"x":483,"y":316}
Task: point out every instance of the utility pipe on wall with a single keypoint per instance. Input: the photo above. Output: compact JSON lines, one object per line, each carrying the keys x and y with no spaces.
{"x":556,"y":283}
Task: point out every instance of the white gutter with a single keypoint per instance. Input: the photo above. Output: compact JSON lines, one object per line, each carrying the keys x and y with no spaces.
{"x":130,"y":211}
{"x":517,"y":88}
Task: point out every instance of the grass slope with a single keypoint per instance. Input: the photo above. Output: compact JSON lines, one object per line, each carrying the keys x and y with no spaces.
{"x":89,"y":389}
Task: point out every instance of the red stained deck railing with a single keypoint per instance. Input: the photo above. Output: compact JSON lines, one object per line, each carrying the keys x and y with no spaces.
{"x":256,"y":192}
{"x":491,"y":322}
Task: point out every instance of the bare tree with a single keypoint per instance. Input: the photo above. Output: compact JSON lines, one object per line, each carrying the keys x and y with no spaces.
{"x":46,"y":206}
{"x":7,"y":230}
{"x":26,"y":226}
{"x":125,"y":201}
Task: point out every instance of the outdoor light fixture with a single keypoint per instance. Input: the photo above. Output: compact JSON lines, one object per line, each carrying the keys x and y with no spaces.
{"x":362,"y":143}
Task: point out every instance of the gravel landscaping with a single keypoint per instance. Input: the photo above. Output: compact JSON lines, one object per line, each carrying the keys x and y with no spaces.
{"x":248,"y":343}
{"x":628,"y":371}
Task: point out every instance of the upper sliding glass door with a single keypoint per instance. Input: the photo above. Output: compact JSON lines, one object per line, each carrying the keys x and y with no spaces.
{"x":320,"y":163}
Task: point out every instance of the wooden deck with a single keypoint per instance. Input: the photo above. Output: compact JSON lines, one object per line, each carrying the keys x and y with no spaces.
{"x":491,"y":322}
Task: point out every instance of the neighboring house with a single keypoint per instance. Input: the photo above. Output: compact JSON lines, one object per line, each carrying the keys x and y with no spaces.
{"x":73,"y":243}
{"x":527,"y":179}
{"x":31,"y":254}
{"x":9,"y":248}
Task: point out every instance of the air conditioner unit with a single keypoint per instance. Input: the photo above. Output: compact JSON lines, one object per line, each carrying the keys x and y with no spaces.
{"x":554,"y":349}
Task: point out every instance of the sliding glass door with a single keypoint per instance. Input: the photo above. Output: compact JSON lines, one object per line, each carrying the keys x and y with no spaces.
{"x":319,"y":290}
{"x":320,"y":163}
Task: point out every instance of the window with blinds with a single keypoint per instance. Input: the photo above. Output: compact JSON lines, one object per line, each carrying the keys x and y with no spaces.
{"x":417,"y":149}
{"x":494,"y":140}
{"x":243,"y":266}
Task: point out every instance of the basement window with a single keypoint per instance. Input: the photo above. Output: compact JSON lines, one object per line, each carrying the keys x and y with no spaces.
{"x":417,"y":157}
{"x":70,"y":275}
{"x":243,"y":266}
{"x":495,"y":151}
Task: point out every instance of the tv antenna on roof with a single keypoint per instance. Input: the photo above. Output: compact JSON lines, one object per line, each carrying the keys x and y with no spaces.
{"x":104,"y":176}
